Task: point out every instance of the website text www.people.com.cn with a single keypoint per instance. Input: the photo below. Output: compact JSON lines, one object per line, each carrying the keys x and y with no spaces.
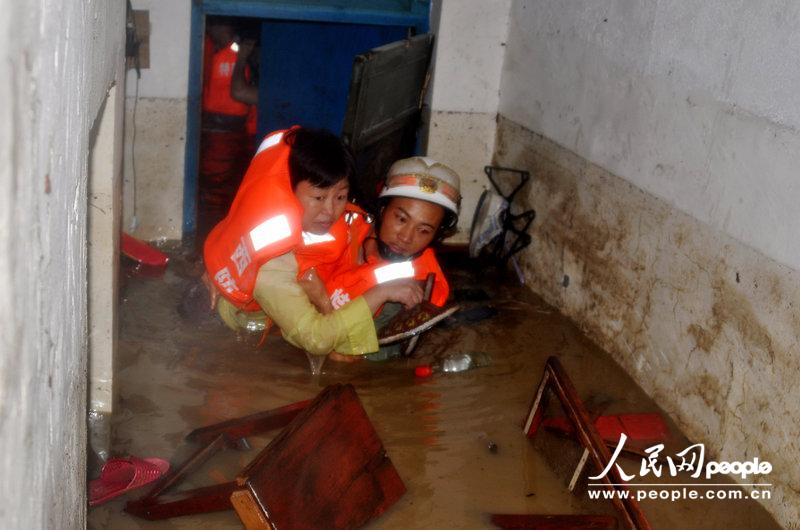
{"x":679,"y":492}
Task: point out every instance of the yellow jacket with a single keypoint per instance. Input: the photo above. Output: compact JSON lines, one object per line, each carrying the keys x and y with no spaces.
{"x":349,"y":330}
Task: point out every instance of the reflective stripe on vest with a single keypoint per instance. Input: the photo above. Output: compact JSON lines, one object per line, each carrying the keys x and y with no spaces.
{"x":269,"y":141}
{"x":353,"y":281}
{"x":270,"y":231}
{"x":314,"y":239}
{"x":394,"y":271}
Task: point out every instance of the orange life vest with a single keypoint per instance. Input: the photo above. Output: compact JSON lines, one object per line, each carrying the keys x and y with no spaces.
{"x":217,"y":84}
{"x":351,"y":280}
{"x":265,"y":221}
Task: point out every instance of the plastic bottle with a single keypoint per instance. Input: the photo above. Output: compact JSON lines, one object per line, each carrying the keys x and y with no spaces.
{"x":455,"y":362}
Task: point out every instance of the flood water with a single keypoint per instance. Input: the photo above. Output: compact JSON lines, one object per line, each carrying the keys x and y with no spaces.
{"x":455,"y":439}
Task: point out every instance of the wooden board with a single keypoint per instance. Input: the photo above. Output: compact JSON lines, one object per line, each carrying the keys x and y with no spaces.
{"x":327,"y":469}
{"x":555,"y":378}
{"x":413,"y":321}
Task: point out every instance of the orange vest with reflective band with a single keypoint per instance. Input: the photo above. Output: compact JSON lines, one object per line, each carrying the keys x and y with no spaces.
{"x":327,"y":253}
{"x":265,"y":221}
{"x":352,"y":280}
{"x":217,"y":88}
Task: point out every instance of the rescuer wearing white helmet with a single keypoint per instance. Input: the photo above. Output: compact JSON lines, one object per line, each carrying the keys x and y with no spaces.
{"x":419,"y":205}
{"x":420,"y":191}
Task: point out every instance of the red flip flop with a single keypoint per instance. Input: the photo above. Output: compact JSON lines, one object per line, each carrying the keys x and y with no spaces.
{"x":140,"y":251}
{"x":121,"y":475}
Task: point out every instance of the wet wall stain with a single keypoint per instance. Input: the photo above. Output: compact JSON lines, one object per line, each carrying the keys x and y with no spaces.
{"x":657,"y":289}
{"x":733,"y":309}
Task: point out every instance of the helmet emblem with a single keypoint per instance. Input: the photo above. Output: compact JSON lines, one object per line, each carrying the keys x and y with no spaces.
{"x":428,"y":184}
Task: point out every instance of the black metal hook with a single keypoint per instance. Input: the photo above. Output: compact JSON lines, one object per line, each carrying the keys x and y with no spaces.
{"x":516,"y":224}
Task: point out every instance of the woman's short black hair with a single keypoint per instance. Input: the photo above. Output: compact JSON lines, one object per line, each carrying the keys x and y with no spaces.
{"x":319,"y":157}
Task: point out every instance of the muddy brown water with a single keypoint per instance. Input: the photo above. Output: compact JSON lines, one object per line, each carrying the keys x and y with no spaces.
{"x":455,"y":439}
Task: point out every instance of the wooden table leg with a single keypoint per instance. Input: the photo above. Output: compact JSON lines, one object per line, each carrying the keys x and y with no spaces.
{"x":555,"y":378}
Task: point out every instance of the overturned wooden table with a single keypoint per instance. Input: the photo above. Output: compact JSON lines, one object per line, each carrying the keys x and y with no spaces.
{"x":326,"y":469}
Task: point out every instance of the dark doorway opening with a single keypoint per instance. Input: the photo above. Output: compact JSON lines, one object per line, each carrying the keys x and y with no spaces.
{"x":301,"y":66}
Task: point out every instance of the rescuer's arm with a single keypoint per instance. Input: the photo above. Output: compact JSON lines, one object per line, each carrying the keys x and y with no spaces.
{"x":241,"y":90}
{"x":315,"y":291}
{"x":369,"y":248}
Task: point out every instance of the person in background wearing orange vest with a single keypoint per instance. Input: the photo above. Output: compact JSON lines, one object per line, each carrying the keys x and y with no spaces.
{"x":220,"y":110}
{"x":293,"y":194}
{"x":419,"y":205}
{"x":225,"y":146}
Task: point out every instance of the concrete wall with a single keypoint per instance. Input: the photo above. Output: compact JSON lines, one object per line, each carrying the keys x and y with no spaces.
{"x":694,"y":102}
{"x":155,"y":125}
{"x":465,"y":92}
{"x":104,"y":217}
{"x":59,"y":60}
{"x":663,"y":141}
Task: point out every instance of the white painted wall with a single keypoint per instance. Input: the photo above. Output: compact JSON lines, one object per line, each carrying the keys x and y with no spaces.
{"x":168,"y":74}
{"x":695,"y":102}
{"x":59,"y":59}
{"x":468,"y":55}
{"x":465,"y":91}
{"x":155,"y":135}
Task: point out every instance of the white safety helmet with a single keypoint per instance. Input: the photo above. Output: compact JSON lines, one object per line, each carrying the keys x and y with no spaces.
{"x":422,"y":178}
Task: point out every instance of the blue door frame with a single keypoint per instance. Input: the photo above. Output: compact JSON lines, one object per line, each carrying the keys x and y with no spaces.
{"x":409,"y":13}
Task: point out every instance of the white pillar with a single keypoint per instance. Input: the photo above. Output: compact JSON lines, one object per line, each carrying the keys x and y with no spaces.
{"x":105,"y":213}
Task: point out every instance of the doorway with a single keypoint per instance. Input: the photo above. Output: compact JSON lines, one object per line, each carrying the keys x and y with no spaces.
{"x":306,"y":54}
